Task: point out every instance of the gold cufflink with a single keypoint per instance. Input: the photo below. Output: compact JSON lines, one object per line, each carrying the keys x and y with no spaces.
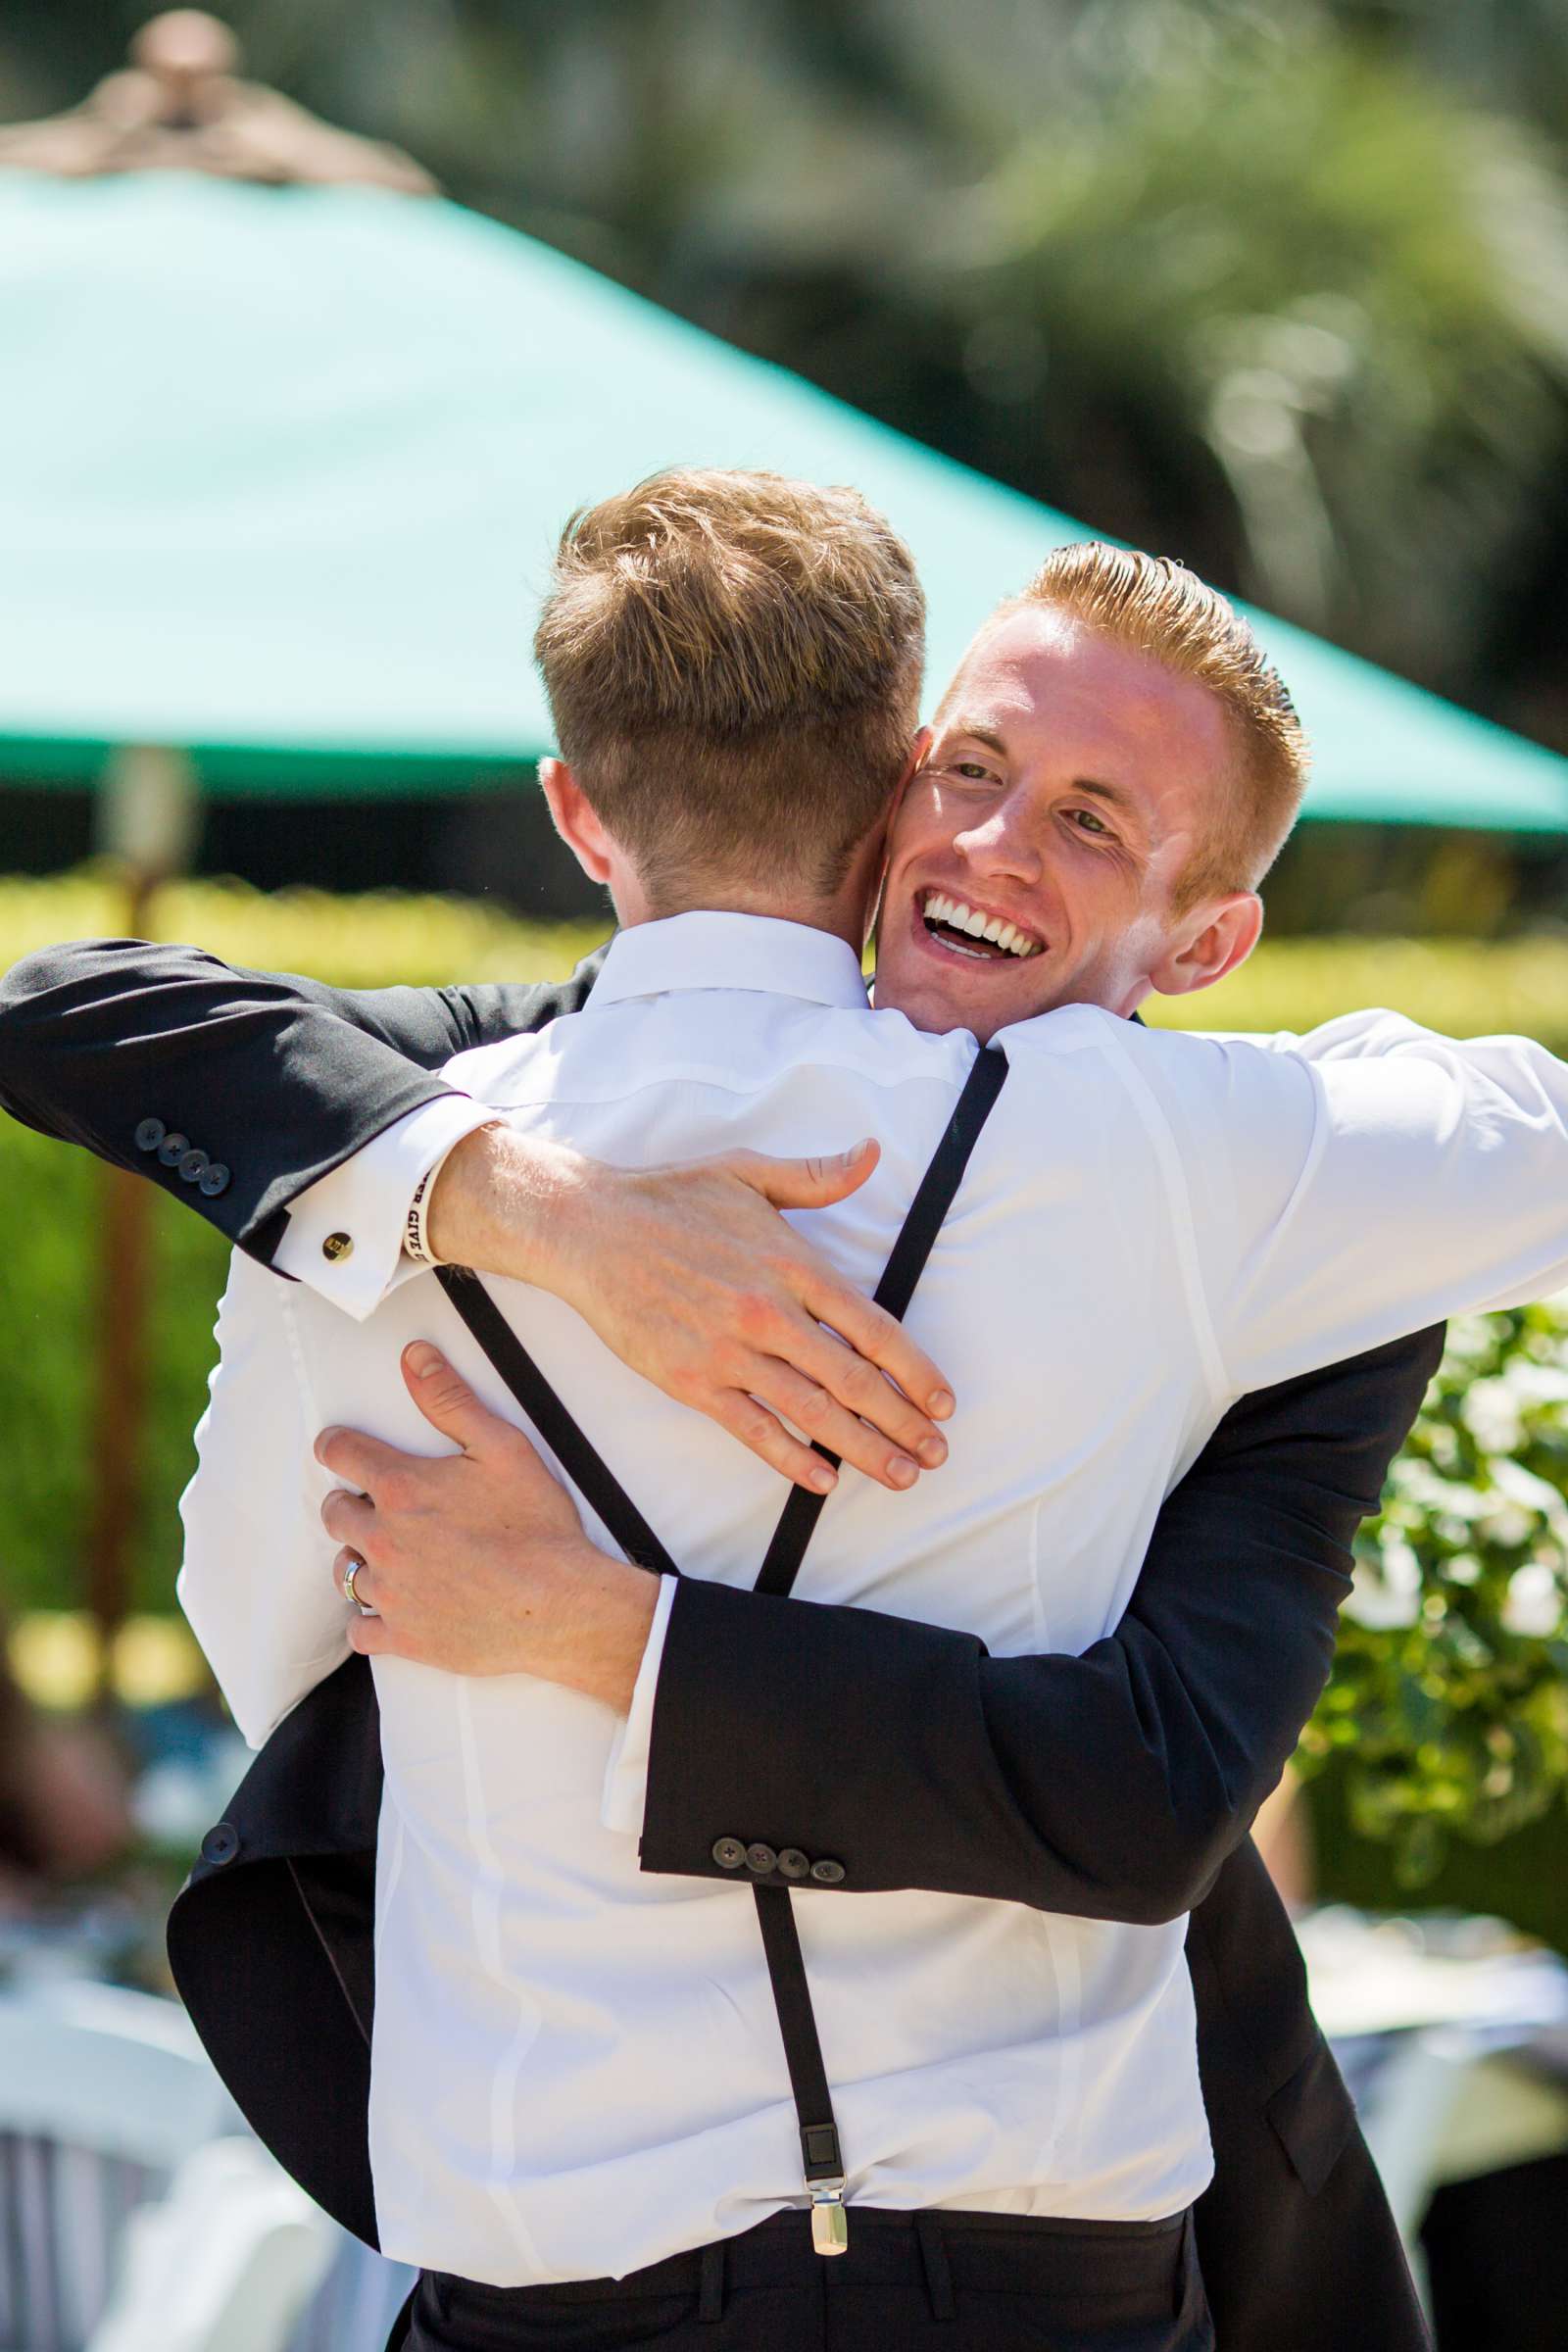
{"x":336,"y":1246}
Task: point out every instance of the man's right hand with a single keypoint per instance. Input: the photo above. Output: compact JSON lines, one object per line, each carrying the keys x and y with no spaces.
{"x":691,"y":1277}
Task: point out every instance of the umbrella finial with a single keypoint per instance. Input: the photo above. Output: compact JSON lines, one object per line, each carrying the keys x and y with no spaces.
{"x":184,"y":48}
{"x":179,"y":106}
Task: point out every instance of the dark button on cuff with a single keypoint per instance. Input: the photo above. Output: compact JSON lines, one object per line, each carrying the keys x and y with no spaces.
{"x":173,"y":1150}
{"x":220,"y":1844}
{"x":193,"y":1167}
{"x":728,"y":1854}
{"x":793,"y":1863}
{"x":762,"y":1859}
{"x":215,"y":1180}
{"x":828,"y":1874}
{"x":149,"y":1135}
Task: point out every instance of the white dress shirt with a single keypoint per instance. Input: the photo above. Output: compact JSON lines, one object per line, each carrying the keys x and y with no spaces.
{"x":576,"y":2066}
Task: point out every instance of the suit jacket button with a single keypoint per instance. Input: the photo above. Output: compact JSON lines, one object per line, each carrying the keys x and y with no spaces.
{"x":173,"y":1150}
{"x":793,"y":1863}
{"x":193,"y":1167}
{"x":728,"y":1854}
{"x":149,"y":1135}
{"x":220,"y":1844}
{"x":336,"y":1246}
{"x":762,"y":1859}
{"x":828,"y":1874}
{"x":215,"y":1180}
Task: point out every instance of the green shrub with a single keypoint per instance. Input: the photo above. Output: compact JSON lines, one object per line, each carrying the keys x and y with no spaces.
{"x":1449,"y":1709}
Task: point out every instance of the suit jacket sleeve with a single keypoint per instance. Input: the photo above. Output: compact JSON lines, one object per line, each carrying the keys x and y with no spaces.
{"x":1110,"y":1785}
{"x":279,"y":1079}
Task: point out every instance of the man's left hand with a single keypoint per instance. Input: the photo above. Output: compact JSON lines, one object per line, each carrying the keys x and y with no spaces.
{"x":478,"y":1561}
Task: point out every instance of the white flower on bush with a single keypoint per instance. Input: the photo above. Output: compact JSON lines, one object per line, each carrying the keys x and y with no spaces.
{"x":1386,"y":1589}
{"x":1534,"y":1603}
{"x":1493,"y":1413}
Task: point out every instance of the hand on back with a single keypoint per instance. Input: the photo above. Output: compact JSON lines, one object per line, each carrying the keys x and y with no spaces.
{"x":691,"y":1276}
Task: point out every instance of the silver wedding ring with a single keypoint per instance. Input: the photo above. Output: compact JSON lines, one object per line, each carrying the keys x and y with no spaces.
{"x":349,"y":1592}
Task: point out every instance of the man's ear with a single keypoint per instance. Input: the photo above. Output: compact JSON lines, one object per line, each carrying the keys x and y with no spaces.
{"x":1227,"y":933}
{"x":574,"y":819}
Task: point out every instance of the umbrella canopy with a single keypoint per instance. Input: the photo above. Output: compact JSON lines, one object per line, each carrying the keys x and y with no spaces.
{"x":280,"y":472}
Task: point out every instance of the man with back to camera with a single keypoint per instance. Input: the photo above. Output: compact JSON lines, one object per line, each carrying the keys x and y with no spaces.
{"x":967,"y":781}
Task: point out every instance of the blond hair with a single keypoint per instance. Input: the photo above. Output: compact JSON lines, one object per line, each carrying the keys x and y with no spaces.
{"x":733,"y":662}
{"x":1158,"y":607}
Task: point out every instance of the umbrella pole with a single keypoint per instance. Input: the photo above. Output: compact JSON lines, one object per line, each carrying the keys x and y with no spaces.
{"x":147,"y":817}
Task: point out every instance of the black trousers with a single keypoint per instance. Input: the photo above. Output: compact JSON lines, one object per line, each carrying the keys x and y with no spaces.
{"x":929,"y":2281}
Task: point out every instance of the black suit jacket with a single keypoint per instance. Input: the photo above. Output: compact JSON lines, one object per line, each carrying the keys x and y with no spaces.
{"x":1119,"y":1785}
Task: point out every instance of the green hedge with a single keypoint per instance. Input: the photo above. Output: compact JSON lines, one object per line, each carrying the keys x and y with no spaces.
{"x":1449,"y":1705}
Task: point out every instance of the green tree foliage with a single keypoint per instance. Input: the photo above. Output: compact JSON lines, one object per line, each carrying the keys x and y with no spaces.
{"x":1302,"y":272}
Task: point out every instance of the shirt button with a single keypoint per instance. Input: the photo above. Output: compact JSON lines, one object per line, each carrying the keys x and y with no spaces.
{"x":761,"y":1858}
{"x":173,"y":1150}
{"x":828,"y":1874}
{"x":215,"y":1180}
{"x":149,"y":1135}
{"x":337,"y":1245}
{"x":728,"y":1854}
{"x":793,"y":1863}
{"x":220,"y":1844}
{"x":193,"y":1167}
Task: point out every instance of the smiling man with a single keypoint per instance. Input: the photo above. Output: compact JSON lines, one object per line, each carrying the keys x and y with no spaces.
{"x":1001,"y":1754}
{"x":1112,"y":773}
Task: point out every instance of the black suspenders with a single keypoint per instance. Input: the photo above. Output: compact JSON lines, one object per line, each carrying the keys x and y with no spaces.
{"x":781,"y":1945}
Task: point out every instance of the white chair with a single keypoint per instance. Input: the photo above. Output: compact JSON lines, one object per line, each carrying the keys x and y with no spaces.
{"x":105,"y":2097}
{"x":226,"y":2263}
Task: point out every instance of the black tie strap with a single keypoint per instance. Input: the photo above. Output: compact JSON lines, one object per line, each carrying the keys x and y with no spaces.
{"x":820,"y":2156}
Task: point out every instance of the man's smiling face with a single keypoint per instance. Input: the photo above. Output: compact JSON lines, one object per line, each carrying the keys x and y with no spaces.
{"x":1068,"y":781}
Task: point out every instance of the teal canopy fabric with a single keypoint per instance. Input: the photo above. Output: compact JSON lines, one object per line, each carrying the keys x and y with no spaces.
{"x":280,"y":472}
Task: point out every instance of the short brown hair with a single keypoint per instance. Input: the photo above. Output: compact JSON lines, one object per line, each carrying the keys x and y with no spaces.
{"x":1158,"y":607}
{"x":733,"y":662}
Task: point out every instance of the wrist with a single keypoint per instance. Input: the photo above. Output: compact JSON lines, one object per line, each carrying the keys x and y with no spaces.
{"x":507,"y":1203}
{"x":605,"y":1629}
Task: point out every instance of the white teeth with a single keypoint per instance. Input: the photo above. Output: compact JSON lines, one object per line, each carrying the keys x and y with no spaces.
{"x":938,"y":908}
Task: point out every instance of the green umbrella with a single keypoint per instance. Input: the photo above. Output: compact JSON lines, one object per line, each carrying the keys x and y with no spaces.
{"x":280,"y":472}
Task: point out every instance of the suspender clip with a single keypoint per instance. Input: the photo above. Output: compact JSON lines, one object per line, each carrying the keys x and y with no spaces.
{"x":830,"y":2223}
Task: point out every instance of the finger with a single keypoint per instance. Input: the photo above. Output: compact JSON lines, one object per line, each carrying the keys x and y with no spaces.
{"x":826,"y":1423}
{"x":806,"y":1182}
{"x":875,"y":1337}
{"x":861,"y":1388}
{"x":362,"y":1596}
{"x":364,"y":1462}
{"x":446,"y":1401}
{"x":764,"y":1434}
{"x":349,"y":1518}
{"x":450,"y":1405}
{"x":372,"y":1636}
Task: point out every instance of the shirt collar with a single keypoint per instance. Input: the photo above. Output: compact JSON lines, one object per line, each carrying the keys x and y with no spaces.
{"x":754,"y":952}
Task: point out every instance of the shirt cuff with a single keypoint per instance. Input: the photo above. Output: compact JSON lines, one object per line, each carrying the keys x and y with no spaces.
{"x":626,"y":1791}
{"x":345,"y":1231}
